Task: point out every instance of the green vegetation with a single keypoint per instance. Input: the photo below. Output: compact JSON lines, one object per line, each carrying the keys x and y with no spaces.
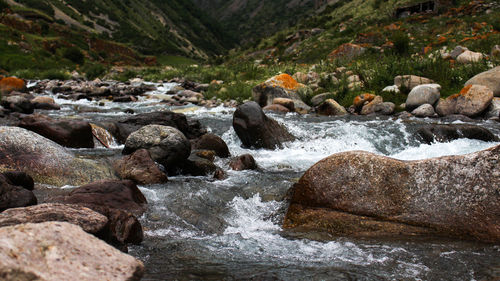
{"x":74,"y":54}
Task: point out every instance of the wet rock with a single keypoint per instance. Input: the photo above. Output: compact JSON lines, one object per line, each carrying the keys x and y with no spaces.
{"x":123,"y":128}
{"x":331,"y":108}
{"x":370,"y":107}
{"x":68,"y":133}
{"x":276,"y":108}
{"x":18,"y":103}
{"x":90,"y":221}
{"x":257,"y":130}
{"x":410,"y":81}
{"x":61,"y":251}
{"x":422,"y":94}
{"x":362,"y":194}
{"x":15,"y":191}
{"x":220,"y":174}
{"x":46,"y":106}
{"x":101,"y":136}
{"x":469,"y":57}
{"x":194,"y":166}
{"x":10,"y":84}
{"x":124,"y":99}
{"x":280,"y":86}
{"x":166,"y":145}
{"x":212,"y":142}
{"x":490,"y":79}
{"x":445,"y":133}
{"x":494,"y":109}
{"x":424,"y":110}
{"x":243,"y":162}
{"x":140,"y":168}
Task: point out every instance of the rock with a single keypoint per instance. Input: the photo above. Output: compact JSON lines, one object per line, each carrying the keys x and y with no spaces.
{"x":20,"y":179}
{"x":276,"y":108}
{"x":495,"y":51}
{"x":13,"y":191}
{"x":195,"y":166}
{"x":125,"y":98}
{"x":212,"y":142}
{"x":319,"y":99}
{"x":220,"y":174}
{"x":370,"y":107}
{"x":68,"y":133}
{"x":494,"y":109}
{"x":257,"y":130}
{"x":331,"y":108}
{"x":288,"y":103}
{"x":422,"y":94}
{"x":457,"y":51}
{"x":61,"y":251}
{"x":140,"y":168}
{"x":280,"y":86}
{"x":359,"y":101}
{"x":490,"y":79}
{"x":446,"y":107}
{"x":362,"y":194}
{"x":46,"y":161}
{"x":446,"y":133}
{"x":471,"y":101}
{"x":300,"y":77}
{"x":385,"y":108}
{"x":391,"y":89}
{"x":101,"y":136}
{"x":90,"y":221}
{"x":425,"y":110}
{"x":469,"y":57}
{"x":347,"y":52}
{"x":166,"y":145}
{"x":10,"y":84}
{"x":18,"y":103}
{"x":43,"y":99}
{"x":46,"y":106}
{"x":123,"y":128}
{"x":243,"y":162}
{"x":410,"y":81}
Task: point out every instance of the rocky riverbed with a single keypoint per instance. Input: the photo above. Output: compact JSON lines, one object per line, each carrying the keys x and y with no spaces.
{"x":204,"y":189}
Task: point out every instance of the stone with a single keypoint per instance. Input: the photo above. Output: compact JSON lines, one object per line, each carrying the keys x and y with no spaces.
{"x":140,"y":168}
{"x":195,"y":165}
{"x":370,"y":107}
{"x":385,"y":108}
{"x":61,"y":251}
{"x":68,"y":133}
{"x":90,"y":221}
{"x":43,"y":99}
{"x":363,"y":194}
{"x":359,"y":101}
{"x":166,"y":145}
{"x":46,"y":161}
{"x":276,"y":108}
{"x":446,"y":107}
{"x":422,"y":94}
{"x":347,"y":51}
{"x":391,"y":89}
{"x":212,"y":142}
{"x":288,"y":103}
{"x":10,"y":84}
{"x":17,"y":103}
{"x":494,"y":109}
{"x":101,"y":136}
{"x":469,"y":57}
{"x":472,"y":101}
{"x":300,"y":77}
{"x":257,"y":130}
{"x":319,"y":99}
{"x":243,"y":162}
{"x":424,"y":110}
{"x":279,"y":86}
{"x":331,"y":108}
{"x":448,"y":132}
{"x":457,"y":51}
{"x":14,"y":192}
{"x":490,"y":79}
{"x":410,"y":81}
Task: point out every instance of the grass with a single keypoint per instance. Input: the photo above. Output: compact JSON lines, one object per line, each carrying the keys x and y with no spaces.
{"x":175,"y":61}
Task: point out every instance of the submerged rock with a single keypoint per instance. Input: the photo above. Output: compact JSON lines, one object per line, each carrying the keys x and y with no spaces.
{"x":257,"y":130}
{"x":446,"y":133}
{"x":363,"y":194}
{"x":46,"y":161}
{"x":61,"y":251}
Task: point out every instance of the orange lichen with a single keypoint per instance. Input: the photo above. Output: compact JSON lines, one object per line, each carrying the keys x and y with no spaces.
{"x":9,"y":84}
{"x":361,"y":99}
{"x":285,"y":81}
{"x":465,"y":90}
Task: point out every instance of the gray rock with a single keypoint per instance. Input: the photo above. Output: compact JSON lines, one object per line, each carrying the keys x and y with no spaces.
{"x":425,"y":110}
{"x":166,"y":145}
{"x":90,"y":221}
{"x":490,"y":79}
{"x":457,"y":51}
{"x":319,"y":99}
{"x":422,"y":94}
{"x":61,"y":251}
{"x":469,"y":57}
{"x":385,"y":108}
{"x":370,"y":107}
{"x":494,"y":109}
{"x":445,"y":133}
{"x":410,"y":81}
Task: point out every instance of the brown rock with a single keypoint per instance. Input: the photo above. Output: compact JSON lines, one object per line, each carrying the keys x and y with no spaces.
{"x":9,"y":84}
{"x":288,"y":103}
{"x":371,"y":106}
{"x":61,"y":251}
{"x":243,"y":162}
{"x":276,"y":108}
{"x":490,"y":79}
{"x":15,"y":193}
{"x":360,"y":193}
{"x":211,"y":142}
{"x":140,"y":168}
{"x":42,"y":99}
{"x":360,"y":100}
{"x":331,"y":108}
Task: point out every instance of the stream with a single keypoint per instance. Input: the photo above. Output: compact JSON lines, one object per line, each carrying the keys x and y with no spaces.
{"x":197,"y":228}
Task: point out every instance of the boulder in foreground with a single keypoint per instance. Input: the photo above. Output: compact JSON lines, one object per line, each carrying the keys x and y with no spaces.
{"x":363,"y":194}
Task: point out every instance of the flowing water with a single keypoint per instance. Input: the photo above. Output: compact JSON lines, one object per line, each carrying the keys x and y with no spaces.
{"x":200,"y":229}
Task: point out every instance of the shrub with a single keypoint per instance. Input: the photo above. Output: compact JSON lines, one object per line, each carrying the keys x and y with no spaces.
{"x":74,"y":54}
{"x":401,"y":43}
{"x":93,"y":71}
{"x":54,"y":74}
{"x":3,"y":5}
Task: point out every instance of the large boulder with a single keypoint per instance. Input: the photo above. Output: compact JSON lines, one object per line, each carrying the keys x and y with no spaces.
{"x":331,"y":108}
{"x":68,"y":133}
{"x":61,"y":251}
{"x":257,"y":130}
{"x":363,"y":194}
{"x":422,"y":94}
{"x":140,"y":168}
{"x":281,"y":86}
{"x":122,"y":129}
{"x":16,"y":190}
{"x":211,"y":142}
{"x":46,"y":161}
{"x":90,"y":221}
{"x":490,"y":79}
{"x":10,"y":84}
{"x":472,"y":101}
{"x":166,"y":145}
{"x":445,"y":133}
{"x":410,"y":81}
